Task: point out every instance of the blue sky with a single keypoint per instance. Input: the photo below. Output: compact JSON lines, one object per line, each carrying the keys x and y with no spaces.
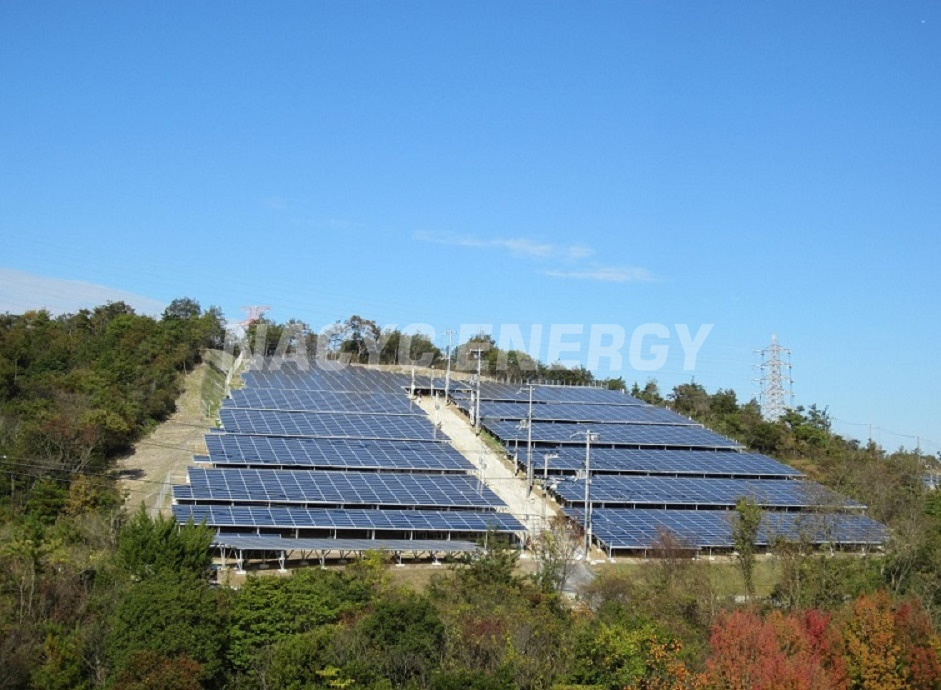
{"x":763,"y":167}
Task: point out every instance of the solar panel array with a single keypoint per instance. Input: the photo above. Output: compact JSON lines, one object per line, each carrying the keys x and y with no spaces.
{"x":652,"y":435}
{"x":349,"y":520}
{"x":322,"y":401}
{"x":624,"y":529}
{"x":336,"y":452}
{"x":324,"y":376}
{"x":704,"y":463}
{"x":502,"y":392}
{"x":579,"y":412}
{"x":317,"y":487}
{"x":327,"y":425}
{"x":276,"y":543}
{"x":617,"y":490}
{"x":333,"y":452}
{"x":324,"y":453}
{"x":650,"y":466}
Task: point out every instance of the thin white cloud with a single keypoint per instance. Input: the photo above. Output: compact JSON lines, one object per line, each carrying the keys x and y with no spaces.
{"x":573,"y":256}
{"x":523,"y":247}
{"x":21,"y":292}
{"x":277,"y":203}
{"x":607,"y":274}
{"x":577,"y":252}
{"x":334,"y":224}
{"x":520,"y":246}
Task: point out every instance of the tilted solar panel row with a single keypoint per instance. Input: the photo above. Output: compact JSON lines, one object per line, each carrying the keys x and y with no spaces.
{"x":623,"y":490}
{"x":613,"y":435}
{"x":503,"y":392}
{"x":277,"y":543}
{"x":257,"y":517}
{"x":313,"y":487}
{"x":240,"y":449}
{"x":327,"y":425}
{"x":329,"y":377}
{"x":570,"y":459}
{"x":578,"y":412}
{"x":643,"y":529}
{"x":321,"y":401}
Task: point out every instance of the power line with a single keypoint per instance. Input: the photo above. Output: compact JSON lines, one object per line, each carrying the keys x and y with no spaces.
{"x":919,"y":440}
{"x":24,"y":464}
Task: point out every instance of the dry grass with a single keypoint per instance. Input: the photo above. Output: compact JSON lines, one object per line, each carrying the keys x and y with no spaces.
{"x":724,"y":573}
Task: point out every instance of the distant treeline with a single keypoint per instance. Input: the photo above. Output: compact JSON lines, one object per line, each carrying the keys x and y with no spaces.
{"x":363,"y":341}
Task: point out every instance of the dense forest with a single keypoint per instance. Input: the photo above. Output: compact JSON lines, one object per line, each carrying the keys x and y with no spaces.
{"x":91,"y":597}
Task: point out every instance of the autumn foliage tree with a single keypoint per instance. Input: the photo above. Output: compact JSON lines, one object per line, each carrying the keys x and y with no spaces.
{"x":870,"y":644}
{"x":799,"y":652}
{"x":889,"y":647}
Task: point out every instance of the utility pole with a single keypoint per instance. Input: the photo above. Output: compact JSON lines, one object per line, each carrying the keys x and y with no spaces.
{"x":529,"y":444}
{"x":545,"y":479}
{"x":479,"y":352}
{"x":447,"y":374}
{"x":773,"y":361}
{"x":589,"y":437}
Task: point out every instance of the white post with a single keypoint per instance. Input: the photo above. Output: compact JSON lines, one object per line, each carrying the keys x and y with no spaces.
{"x":529,"y":445}
{"x":545,"y":479}
{"x":447,"y":373}
{"x":589,"y":437}
{"x":477,"y":410}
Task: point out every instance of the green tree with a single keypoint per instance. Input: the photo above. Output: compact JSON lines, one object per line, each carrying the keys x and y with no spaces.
{"x":691,"y":400}
{"x":613,"y":655}
{"x":266,"y":610}
{"x":147,"y":670}
{"x":555,"y":548}
{"x":151,"y":546}
{"x":182,"y":309}
{"x":650,"y":393}
{"x":302,"y":661}
{"x":745,"y":528}
{"x":401,"y":639}
{"x":172,"y":616}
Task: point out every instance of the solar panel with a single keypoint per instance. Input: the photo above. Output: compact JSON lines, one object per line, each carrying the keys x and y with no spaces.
{"x":326,"y":425}
{"x":579,"y":412}
{"x":322,"y":453}
{"x":313,"y":487}
{"x":571,"y":459}
{"x":329,"y":376}
{"x":349,"y":519}
{"x":613,"y":434}
{"x":623,"y":490}
{"x":321,"y":401}
{"x":641,"y":529}
{"x":503,"y":392}
{"x":270,"y":542}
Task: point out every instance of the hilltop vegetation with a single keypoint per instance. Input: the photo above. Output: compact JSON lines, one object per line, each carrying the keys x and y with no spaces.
{"x":363,"y":341}
{"x":93,"y":598}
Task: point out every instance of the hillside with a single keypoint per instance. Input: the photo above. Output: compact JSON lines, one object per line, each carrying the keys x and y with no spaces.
{"x":94,"y":597}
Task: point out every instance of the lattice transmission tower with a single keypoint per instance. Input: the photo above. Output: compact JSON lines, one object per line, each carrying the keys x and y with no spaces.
{"x":774,"y":400}
{"x":252,"y":314}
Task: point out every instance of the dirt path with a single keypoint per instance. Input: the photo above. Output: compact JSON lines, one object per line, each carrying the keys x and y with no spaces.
{"x":498,"y":473}
{"x":161,"y":458}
